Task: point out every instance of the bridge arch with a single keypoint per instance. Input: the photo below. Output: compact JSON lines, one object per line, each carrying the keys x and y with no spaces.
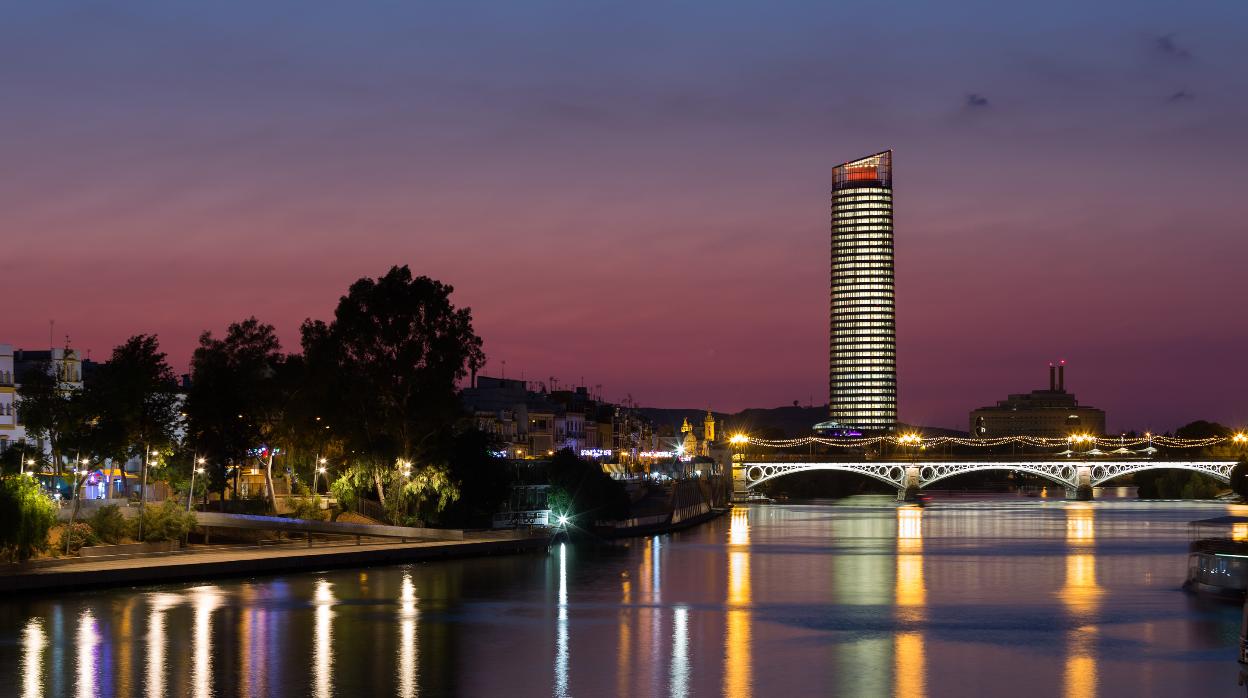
{"x":890,"y":473}
{"x":1104,"y":472}
{"x":1064,"y":474}
{"x":1070,"y":474}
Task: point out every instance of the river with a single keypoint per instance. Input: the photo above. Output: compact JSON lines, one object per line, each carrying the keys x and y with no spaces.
{"x":861,"y":597}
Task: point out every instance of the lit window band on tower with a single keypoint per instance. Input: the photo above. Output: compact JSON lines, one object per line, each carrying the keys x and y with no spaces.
{"x":863,"y":353}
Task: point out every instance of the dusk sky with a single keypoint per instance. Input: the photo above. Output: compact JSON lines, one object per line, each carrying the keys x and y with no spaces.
{"x":638,"y":193}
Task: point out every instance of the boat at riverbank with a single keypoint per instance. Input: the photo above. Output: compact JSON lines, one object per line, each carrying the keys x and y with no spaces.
{"x":680,"y":505}
{"x":1217,"y":559}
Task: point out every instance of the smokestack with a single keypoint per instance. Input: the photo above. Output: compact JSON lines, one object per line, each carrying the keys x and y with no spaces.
{"x":1061,"y":376}
{"x":1052,"y":377}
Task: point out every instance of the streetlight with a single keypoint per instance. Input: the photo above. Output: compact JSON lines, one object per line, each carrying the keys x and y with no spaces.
{"x":319,"y":467}
{"x":147,"y":460}
{"x":197,"y":470}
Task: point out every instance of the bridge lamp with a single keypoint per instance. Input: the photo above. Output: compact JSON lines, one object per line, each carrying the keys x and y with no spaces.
{"x":738,"y":439}
{"x":562,"y":519}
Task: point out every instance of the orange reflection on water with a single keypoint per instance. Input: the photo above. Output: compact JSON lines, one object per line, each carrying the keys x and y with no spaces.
{"x":737,"y":670}
{"x":909,"y":653}
{"x":624,"y":643}
{"x":1081,"y":595}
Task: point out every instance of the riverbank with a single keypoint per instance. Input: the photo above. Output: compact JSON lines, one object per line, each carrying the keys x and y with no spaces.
{"x":210,"y":562}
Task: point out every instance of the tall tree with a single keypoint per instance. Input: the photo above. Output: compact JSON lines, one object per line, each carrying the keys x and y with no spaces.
{"x":49,"y":409}
{"x":393,"y":354}
{"x":134,"y":401}
{"x":235,"y":398}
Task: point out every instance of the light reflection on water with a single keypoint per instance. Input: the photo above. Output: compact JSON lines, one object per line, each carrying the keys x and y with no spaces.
{"x":409,"y":650}
{"x":865,"y":598}
{"x":737,"y":642}
{"x":323,"y":639}
{"x":34,"y":641}
{"x":908,"y":652}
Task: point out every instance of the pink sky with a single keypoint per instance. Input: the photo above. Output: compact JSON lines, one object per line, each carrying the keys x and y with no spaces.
{"x":644,"y":203}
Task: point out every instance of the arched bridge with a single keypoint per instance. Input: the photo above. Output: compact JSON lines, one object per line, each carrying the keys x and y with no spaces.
{"x":907,"y":475}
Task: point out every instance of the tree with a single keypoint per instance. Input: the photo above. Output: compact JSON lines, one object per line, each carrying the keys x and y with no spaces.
{"x":48,"y":409}
{"x":420,"y":495}
{"x":484,"y":479}
{"x":1201,"y":429}
{"x":134,"y":401}
{"x":387,"y":367}
{"x":235,"y":399}
{"x":1239,"y":478}
{"x":26,"y":516}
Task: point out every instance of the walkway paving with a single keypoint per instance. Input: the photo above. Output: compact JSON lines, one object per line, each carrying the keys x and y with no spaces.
{"x":203,"y":562}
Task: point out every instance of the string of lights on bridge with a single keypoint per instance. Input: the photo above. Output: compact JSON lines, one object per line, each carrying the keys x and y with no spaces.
{"x":920,"y":441}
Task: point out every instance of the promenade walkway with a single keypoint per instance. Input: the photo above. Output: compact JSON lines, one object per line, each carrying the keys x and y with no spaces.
{"x":204,"y":562}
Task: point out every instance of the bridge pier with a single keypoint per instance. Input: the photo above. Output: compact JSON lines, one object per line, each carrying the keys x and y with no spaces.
{"x":740,"y":489}
{"x":910,"y":491}
{"x":1082,"y":491}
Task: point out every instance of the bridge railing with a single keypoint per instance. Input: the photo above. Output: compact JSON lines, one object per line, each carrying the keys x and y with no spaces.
{"x":937,"y":458}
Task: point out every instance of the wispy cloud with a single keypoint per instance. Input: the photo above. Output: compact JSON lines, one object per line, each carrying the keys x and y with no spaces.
{"x":975,"y":100}
{"x":1180,"y":96}
{"x":1166,"y":46}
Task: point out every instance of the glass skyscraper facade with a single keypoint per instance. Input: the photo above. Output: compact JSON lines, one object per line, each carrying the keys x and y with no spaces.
{"x":862,"y":380}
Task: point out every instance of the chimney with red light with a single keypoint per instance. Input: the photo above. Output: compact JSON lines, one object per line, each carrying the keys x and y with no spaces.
{"x":1052,"y":378}
{"x":1061,"y":376}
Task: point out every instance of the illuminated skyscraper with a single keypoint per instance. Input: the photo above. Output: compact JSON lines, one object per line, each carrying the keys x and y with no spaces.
{"x":862,"y":378}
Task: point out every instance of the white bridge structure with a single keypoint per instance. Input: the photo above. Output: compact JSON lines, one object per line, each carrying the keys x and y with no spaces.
{"x":1077,"y":476}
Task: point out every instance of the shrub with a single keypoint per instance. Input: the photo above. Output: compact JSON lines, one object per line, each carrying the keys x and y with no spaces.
{"x":76,"y":535}
{"x":307,"y":508}
{"x":166,"y":522}
{"x":26,"y":516}
{"x":109,"y":524}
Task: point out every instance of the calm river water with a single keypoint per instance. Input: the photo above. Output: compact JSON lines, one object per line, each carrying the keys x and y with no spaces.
{"x":858,"y":598}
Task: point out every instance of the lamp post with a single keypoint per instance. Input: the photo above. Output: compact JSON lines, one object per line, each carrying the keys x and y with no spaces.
{"x":317,"y":469}
{"x":198,"y":469}
{"x":148,"y":455}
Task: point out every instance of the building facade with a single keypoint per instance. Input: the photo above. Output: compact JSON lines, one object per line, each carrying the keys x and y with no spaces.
{"x":862,"y":356}
{"x":8,"y":399}
{"x":1053,"y":413}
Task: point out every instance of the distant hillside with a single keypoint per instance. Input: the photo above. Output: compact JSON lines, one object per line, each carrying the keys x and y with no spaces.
{"x":787,"y":421}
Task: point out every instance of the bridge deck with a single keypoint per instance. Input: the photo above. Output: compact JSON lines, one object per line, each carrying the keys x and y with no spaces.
{"x":1071,"y":473}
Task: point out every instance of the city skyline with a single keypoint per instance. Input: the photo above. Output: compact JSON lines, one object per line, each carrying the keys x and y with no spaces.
{"x":159,"y":183}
